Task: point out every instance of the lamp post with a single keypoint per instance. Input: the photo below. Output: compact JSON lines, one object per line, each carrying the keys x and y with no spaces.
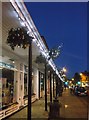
{"x":53,"y":53}
{"x":45,"y":86}
{"x":19,"y":37}
{"x":29,"y":80}
{"x":50,"y":88}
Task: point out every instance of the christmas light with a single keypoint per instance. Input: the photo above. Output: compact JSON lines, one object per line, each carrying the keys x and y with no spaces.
{"x":25,"y":17}
{"x":21,"y":37}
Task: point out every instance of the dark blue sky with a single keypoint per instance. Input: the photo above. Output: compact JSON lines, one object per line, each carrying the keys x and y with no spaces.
{"x":63,"y":23}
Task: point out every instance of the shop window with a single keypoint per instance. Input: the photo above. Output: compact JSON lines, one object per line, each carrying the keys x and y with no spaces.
{"x":7,"y":87}
{"x":42,"y":81}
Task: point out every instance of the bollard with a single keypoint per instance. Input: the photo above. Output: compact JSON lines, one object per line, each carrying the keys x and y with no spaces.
{"x":54,"y":109}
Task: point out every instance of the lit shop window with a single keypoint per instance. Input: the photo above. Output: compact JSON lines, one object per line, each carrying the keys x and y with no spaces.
{"x":7,"y":87}
{"x":42,"y":81}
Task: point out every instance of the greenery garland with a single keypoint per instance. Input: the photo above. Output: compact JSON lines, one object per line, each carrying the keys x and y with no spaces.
{"x":18,"y":37}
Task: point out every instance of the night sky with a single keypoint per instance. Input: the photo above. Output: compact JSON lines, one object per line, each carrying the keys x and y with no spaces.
{"x":63,"y":23}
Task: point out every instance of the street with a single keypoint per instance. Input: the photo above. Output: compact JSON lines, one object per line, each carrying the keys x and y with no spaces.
{"x":72,"y":107}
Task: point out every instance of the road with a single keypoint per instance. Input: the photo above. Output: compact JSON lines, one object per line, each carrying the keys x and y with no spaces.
{"x":84,"y":100}
{"x":74,"y":106}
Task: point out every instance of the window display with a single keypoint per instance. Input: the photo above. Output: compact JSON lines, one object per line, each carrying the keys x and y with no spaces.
{"x":7,"y":87}
{"x":42,"y":82}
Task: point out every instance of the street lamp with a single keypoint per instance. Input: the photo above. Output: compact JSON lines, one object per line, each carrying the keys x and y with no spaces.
{"x":64,"y":69}
{"x":81,"y":74}
{"x":72,"y":79}
{"x":64,"y":75}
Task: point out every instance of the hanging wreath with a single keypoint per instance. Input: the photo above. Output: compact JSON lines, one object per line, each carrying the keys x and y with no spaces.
{"x":54,"y":53}
{"x":18,"y":37}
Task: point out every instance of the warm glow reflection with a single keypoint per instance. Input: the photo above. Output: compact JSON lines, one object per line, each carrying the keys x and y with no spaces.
{"x":66,"y":106}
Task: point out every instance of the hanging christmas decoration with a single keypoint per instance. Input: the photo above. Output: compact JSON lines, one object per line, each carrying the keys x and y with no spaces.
{"x":40,"y":59}
{"x":55,"y":52}
{"x":18,"y":37}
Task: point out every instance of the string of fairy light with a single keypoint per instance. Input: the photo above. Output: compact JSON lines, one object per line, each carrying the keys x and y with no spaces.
{"x":18,"y":37}
{"x":26,"y":18}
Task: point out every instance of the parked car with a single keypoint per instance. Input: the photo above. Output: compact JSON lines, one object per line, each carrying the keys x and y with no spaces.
{"x":81,"y":91}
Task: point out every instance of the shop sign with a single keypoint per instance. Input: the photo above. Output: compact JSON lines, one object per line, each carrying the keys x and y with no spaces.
{"x":2,"y":64}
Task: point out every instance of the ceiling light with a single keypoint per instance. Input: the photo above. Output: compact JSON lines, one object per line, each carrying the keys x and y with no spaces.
{"x":13,"y":62}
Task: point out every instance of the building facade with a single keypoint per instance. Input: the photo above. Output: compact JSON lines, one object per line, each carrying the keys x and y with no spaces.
{"x":14,"y":64}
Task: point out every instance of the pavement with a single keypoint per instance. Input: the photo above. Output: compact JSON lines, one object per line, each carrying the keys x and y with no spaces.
{"x":71,"y":107}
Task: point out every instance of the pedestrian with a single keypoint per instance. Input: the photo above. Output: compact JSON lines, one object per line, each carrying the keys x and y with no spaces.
{"x":71,"y":89}
{"x":65,"y":86}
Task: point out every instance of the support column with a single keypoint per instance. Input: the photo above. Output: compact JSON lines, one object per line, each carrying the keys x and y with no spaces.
{"x":22,"y":87}
{"x":17,"y":83}
{"x":39,"y":84}
{"x":36,"y":83}
{"x":15,"y":86}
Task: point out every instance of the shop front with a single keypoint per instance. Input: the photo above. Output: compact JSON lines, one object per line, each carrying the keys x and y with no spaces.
{"x":14,"y":74}
{"x":7,"y":85}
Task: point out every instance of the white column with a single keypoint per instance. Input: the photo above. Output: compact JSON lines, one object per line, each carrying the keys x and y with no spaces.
{"x":22,"y":89}
{"x":17,"y":81}
{"x":22,"y":85}
{"x":15,"y":86}
{"x":19,"y":84}
{"x":36,"y":82}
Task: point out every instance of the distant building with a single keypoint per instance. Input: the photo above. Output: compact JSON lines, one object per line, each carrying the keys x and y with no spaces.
{"x":85,"y":78}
